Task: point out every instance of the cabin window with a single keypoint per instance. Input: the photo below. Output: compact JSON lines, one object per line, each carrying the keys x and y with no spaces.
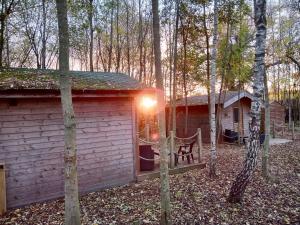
{"x":235,"y":115}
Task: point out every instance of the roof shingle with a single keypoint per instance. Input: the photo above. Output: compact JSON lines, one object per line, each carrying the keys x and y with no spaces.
{"x":203,"y":99}
{"x":19,"y":78}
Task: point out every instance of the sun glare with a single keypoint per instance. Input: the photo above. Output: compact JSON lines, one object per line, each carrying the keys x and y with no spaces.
{"x":148,"y":102}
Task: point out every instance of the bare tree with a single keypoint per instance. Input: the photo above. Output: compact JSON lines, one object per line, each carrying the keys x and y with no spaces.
{"x":72,"y":213}
{"x":164,"y":171}
{"x":6,"y":10}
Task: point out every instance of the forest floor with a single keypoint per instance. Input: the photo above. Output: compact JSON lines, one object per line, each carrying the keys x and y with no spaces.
{"x":196,"y":199}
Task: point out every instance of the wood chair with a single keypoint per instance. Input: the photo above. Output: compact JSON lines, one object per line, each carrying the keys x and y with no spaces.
{"x":185,"y":150}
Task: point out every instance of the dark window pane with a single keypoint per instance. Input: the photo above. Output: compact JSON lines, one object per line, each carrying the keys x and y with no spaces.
{"x":235,"y":115}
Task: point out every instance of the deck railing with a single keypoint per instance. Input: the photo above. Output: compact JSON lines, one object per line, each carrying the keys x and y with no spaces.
{"x":173,"y":142}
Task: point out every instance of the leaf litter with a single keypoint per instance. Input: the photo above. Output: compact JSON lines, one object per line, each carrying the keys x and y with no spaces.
{"x":195,"y":198}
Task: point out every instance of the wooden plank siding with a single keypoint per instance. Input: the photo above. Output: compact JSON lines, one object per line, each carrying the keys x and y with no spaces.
{"x":198,"y":118}
{"x":244,"y":116}
{"x":32,"y":145}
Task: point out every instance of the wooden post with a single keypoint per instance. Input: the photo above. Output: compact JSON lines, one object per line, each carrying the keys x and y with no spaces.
{"x":147,"y":130}
{"x":282,"y":131}
{"x":172,"y":148}
{"x":2,"y":190}
{"x":199,"y":140}
{"x":274,"y":135}
{"x":293,"y":130}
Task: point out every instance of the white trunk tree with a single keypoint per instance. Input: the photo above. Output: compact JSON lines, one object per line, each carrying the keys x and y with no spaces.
{"x":212,"y":79}
{"x":72,"y":213}
{"x":239,"y":185}
{"x":164,"y":170}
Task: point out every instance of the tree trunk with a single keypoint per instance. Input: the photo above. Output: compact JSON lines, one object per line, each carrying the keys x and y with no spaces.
{"x":2,"y":28}
{"x":43,"y":51}
{"x":239,"y":185}
{"x":265,"y":155}
{"x":140,"y":42}
{"x":289,"y":97}
{"x":175,"y":69}
{"x":127,"y":39}
{"x":213,"y":151}
{"x":184,"y":40}
{"x":207,"y":57}
{"x":7,"y":45}
{"x":90,"y":13}
{"x":111,"y":39}
{"x":72,"y":213}
{"x":164,"y":172}
{"x":170,"y":78}
{"x":118,"y":39}
{"x":223,"y":71}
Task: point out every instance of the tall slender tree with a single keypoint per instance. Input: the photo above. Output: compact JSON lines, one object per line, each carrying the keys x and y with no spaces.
{"x":43,"y":51}
{"x":164,"y":171}
{"x":90,"y":15}
{"x":212,"y":78}
{"x":72,"y":213}
{"x":6,"y":9}
{"x":239,"y":185}
{"x":175,"y":58}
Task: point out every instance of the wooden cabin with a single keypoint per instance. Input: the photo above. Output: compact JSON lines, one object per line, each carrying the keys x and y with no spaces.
{"x":32,"y":132}
{"x":198,"y":115}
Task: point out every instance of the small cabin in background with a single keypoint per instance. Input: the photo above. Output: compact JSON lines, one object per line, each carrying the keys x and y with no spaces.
{"x":32,"y":132}
{"x":235,"y":114}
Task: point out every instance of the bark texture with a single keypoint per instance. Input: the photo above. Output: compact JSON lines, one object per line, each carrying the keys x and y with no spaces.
{"x":239,"y":185}
{"x":213,"y":151}
{"x":164,"y":172}
{"x":72,"y":213}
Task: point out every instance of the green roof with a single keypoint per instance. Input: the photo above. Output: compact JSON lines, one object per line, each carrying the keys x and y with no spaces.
{"x":19,"y":78}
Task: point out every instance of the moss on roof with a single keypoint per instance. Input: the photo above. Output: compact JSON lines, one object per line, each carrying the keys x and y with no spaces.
{"x":17,"y":78}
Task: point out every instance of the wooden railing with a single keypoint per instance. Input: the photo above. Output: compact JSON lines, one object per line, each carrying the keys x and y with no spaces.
{"x":282,"y":129}
{"x":172,"y":139}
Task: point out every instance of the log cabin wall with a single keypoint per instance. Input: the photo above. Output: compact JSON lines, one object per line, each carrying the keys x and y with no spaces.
{"x":32,"y":145}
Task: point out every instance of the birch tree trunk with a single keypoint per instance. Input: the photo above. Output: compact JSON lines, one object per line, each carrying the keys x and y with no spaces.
{"x":213,"y":151}
{"x":239,"y":185}
{"x":265,"y":155}
{"x":72,"y":213}
{"x":164,"y":172}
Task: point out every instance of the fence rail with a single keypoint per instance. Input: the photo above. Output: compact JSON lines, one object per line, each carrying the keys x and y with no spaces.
{"x":282,"y":128}
{"x":172,"y":142}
